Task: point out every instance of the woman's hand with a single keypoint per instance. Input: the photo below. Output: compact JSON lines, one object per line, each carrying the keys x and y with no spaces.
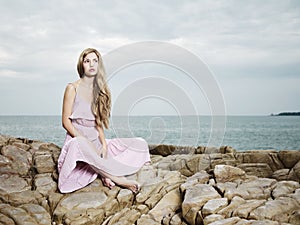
{"x":103,"y":152}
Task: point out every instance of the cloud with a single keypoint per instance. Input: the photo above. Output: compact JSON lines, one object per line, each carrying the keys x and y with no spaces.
{"x":40,"y":41}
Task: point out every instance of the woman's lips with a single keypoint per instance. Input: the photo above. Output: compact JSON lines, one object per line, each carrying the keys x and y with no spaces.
{"x":92,"y":70}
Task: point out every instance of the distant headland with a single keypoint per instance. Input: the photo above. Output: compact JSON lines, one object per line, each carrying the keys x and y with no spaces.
{"x":286,"y":114}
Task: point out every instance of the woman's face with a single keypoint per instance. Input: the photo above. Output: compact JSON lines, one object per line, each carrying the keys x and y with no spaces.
{"x":90,"y":64}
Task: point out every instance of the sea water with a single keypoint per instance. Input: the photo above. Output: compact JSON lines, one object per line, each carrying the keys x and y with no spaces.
{"x":240,"y":132}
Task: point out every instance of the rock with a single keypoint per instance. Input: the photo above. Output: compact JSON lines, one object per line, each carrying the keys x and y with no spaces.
{"x":235,"y":203}
{"x":284,"y":188}
{"x":13,"y":183}
{"x":259,"y":188}
{"x":284,"y":174}
{"x":256,"y":169}
{"x":214,"y":205}
{"x":270,"y":158}
{"x":244,"y":210}
{"x":44,"y":162}
{"x":21,"y":160}
{"x":38,"y":213}
{"x":21,"y":216}
{"x":228,"y":221}
{"x":195,"y":198}
{"x":212,"y":218}
{"x":74,"y":206}
{"x":295,"y":217}
{"x":289,"y":158}
{"x":44,"y":184}
{"x":201,"y":177}
{"x":187,"y":186}
{"x":163,"y":150}
{"x":168,"y":204}
{"x":296,"y":170}
{"x":278,"y":209}
{"x":225,"y":173}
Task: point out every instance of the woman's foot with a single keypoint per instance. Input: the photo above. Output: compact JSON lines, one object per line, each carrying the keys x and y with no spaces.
{"x":108,"y":182}
{"x":132,"y":185}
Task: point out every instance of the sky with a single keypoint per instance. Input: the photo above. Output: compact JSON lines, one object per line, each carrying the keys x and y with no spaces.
{"x":251,"y":50}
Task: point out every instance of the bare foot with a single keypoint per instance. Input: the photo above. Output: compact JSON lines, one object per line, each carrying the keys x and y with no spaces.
{"x":108,"y":182}
{"x":132,"y":185}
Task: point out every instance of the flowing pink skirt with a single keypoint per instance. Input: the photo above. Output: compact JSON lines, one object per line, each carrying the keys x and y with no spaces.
{"x":79,"y":154}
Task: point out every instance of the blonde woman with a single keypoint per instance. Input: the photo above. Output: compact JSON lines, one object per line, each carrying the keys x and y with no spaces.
{"x":86,"y":152}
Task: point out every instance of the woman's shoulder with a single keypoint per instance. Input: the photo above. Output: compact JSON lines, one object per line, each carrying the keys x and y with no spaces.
{"x":73,"y":85}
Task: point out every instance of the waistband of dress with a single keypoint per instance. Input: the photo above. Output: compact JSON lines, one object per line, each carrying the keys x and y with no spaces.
{"x":85,"y":122}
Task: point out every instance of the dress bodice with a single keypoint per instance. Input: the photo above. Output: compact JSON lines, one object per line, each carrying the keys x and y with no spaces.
{"x":81,"y":109}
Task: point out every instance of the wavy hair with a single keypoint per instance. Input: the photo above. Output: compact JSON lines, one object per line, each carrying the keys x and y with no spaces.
{"x":101,"y":104}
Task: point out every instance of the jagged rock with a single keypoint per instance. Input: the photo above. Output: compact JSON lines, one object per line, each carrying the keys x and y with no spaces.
{"x":214,"y":205}
{"x":75,"y":207}
{"x":284,"y":188}
{"x":244,"y":209}
{"x":44,"y":184}
{"x":21,"y":160}
{"x":228,"y":221}
{"x":194,"y":198}
{"x":295,"y":217}
{"x":212,"y":218}
{"x":284,"y":174}
{"x":168,"y":205}
{"x":44,"y":162}
{"x":278,"y":209}
{"x":235,"y":203}
{"x":256,"y":169}
{"x":226,"y":173}
{"x":289,"y":158}
{"x":296,"y":170}
{"x":259,"y":188}
{"x":12,"y":183}
{"x":201,"y":177}
{"x":269,"y":157}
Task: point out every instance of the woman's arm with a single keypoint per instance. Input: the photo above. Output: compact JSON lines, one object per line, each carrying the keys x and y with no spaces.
{"x":103,"y":150}
{"x":69,"y":97}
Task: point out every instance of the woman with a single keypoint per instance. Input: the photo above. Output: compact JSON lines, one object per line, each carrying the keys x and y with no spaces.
{"x":86,"y":153}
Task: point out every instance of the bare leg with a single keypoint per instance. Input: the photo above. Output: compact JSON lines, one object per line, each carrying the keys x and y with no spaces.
{"x":120,"y":180}
{"x":107,"y":182}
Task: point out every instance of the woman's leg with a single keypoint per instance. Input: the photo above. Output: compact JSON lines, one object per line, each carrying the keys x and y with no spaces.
{"x":107,"y":182}
{"x":120,"y":180}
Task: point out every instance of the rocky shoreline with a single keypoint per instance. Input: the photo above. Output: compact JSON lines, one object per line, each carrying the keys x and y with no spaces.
{"x":183,"y":185}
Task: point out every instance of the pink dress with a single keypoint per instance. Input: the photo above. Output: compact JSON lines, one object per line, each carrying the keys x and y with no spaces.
{"x":79,"y":154}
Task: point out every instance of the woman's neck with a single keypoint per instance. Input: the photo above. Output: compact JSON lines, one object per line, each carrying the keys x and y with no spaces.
{"x":87,"y":81}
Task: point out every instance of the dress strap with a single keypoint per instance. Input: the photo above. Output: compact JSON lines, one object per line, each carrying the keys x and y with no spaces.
{"x":75,"y":86}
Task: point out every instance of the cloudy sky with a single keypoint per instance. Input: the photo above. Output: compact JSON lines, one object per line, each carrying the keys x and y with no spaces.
{"x":252,"y":48}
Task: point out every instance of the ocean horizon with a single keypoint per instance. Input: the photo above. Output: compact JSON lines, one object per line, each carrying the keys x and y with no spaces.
{"x":242,"y":132}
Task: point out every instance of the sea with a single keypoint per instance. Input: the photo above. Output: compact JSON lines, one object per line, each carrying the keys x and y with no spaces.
{"x":240,"y":132}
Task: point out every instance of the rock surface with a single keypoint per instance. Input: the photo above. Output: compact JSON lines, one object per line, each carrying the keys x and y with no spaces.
{"x":183,"y":185}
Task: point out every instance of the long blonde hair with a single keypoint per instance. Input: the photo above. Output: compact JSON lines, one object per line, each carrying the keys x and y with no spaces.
{"x":101,"y":104}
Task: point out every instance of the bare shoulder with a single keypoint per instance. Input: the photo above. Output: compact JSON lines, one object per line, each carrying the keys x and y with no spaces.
{"x":71,"y":87}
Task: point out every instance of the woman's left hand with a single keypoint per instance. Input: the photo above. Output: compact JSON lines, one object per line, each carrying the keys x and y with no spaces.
{"x":103,"y":152}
